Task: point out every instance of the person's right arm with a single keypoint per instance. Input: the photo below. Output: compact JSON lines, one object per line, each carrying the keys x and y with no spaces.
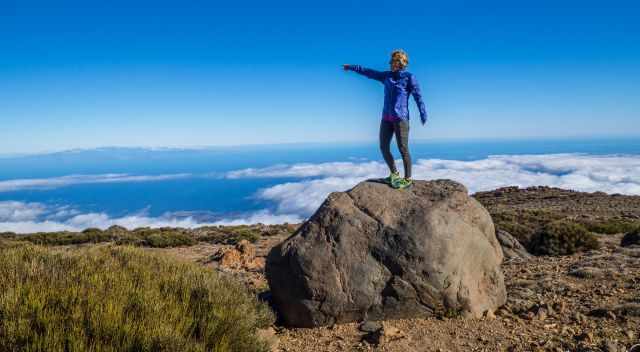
{"x":367,"y":72}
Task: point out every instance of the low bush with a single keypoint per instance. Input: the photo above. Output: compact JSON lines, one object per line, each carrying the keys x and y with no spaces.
{"x":7,"y":235}
{"x":230,"y":234}
{"x":611,"y":225}
{"x":631,"y":238}
{"x":64,"y":238}
{"x":146,"y":237}
{"x":523,"y":224}
{"x":112,"y":298}
{"x":563,"y":237}
{"x":159,"y":238}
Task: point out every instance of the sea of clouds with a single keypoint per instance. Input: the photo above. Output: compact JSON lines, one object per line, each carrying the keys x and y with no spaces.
{"x":295,"y":200}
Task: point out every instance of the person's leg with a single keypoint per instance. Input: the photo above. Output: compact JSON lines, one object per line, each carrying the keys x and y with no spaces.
{"x":386,"y":133}
{"x":401,"y":129}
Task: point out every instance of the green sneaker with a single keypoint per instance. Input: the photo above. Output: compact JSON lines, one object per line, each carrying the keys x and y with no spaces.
{"x":393,"y":177}
{"x":401,"y":183}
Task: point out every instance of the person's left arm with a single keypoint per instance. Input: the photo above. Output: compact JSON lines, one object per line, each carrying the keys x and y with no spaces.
{"x":417,"y":96}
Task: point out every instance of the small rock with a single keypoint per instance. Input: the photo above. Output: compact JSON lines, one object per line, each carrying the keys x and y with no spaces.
{"x":391,"y":333}
{"x":560,"y":307}
{"x":489,"y":315}
{"x":370,"y":326}
{"x":246,"y":248}
{"x":541,"y":314}
{"x":611,"y":346}
{"x":384,"y":334}
{"x":511,"y":248}
{"x":602,"y":313}
{"x":586,"y":337}
{"x":579,"y":317}
{"x":587,"y":273}
{"x":231,"y":258}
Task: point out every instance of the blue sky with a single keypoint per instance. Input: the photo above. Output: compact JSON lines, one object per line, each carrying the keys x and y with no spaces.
{"x":87,"y":74}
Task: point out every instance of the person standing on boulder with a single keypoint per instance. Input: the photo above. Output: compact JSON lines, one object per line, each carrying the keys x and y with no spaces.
{"x":398,"y":85}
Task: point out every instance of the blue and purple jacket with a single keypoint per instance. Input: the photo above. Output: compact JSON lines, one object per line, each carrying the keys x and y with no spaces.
{"x":397,"y":88}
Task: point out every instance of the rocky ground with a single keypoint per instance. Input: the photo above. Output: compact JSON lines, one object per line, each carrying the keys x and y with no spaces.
{"x":583,"y":302}
{"x":588,"y":301}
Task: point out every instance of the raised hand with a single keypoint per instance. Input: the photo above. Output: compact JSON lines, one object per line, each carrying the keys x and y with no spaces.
{"x":345,"y":67}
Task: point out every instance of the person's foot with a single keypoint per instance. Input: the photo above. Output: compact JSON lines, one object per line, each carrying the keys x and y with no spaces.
{"x":393,"y":177}
{"x":401,"y":183}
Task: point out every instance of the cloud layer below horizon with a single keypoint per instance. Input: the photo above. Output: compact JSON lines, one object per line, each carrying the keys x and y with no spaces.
{"x":587,"y":173}
{"x":21,"y":217}
{"x":295,"y":200}
{"x":70,"y":180}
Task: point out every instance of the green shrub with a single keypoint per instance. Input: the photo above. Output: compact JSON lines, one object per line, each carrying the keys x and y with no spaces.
{"x":631,"y":238}
{"x":168,"y":239}
{"x":611,"y":226}
{"x":121,"y":299}
{"x":161,"y":238}
{"x":523,"y":224}
{"x":64,"y":238}
{"x":230,"y":234}
{"x":7,"y":235}
{"x":563,"y":237}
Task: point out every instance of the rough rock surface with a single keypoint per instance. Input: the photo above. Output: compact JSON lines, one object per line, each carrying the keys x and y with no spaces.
{"x":511,"y":248}
{"x":377,"y":253}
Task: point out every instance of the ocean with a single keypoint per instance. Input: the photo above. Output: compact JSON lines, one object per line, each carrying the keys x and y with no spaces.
{"x":133,"y":187}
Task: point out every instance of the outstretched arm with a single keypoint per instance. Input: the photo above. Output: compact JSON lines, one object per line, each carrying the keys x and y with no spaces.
{"x":367,"y":72}
{"x":417,"y":96}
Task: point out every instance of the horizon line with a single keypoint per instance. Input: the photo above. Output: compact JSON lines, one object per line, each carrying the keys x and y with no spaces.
{"x":312,"y":143}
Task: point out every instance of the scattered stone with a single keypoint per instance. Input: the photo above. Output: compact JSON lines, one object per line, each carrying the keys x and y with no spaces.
{"x":585,"y":337}
{"x":541,"y":314}
{"x":511,"y":248}
{"x":231,"y":258}
{"x":628,"y":309}
{"x":602,"y":313}
{"x":370,"y":326}
{"x":611,"y":346}
{"x":579,"y":317}
{"x":241,"y":257}
{"x":383,"y":335}
{"x":587,"y":273}
{"x":489,"y":315}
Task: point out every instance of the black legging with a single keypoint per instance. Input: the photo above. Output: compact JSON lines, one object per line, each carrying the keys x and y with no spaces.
{"x":401,"y":130}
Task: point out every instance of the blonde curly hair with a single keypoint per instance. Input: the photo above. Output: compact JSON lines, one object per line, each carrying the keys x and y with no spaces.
{"x":401,"y":57}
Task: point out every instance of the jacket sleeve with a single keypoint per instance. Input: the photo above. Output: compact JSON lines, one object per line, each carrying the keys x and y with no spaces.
{"x":417,"y":96}
{"x":367,"y":72}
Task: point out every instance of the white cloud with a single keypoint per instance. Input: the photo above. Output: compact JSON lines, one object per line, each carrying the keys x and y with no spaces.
{"x":262,"y":216}
{"x":611,"y":174}
{"x":62,"y":181}
{"x":18,"y":211}
{"x":20,"y":217}
{"x":309,"y":170}
{"x":296,"y":200}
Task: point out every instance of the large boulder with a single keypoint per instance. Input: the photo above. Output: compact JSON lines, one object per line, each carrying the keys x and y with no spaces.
{"x":375,"y":253}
